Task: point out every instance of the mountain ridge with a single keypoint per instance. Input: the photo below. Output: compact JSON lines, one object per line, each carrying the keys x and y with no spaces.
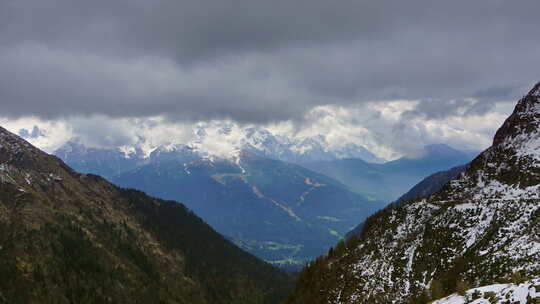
{"x":279,"y":211}
{"x":388,"y":181}
{"x":114,"y":160}
{"x":67,"y":237}
{"x":479,"y":229}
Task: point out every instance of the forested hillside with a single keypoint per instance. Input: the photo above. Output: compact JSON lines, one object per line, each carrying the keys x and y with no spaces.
{"x":67,"y":237}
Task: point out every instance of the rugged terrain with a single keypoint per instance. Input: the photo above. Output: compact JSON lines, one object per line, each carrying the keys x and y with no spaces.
{"x":425,"y":188}
{"x":67,"y":237}
{"x":479,"y":229}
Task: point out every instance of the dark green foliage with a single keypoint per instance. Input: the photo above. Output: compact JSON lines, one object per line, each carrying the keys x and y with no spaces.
{"x":73,"y":268}
{"x":436,"y":290}
{"x":423,"y":298}
{"x":217,"y":263}
{"x":462,"y":286}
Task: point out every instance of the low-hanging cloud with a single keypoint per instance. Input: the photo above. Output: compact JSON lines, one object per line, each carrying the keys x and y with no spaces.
{"x":262,"y":61}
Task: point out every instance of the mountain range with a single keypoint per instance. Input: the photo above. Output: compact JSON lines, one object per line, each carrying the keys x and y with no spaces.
{"x":279,"y":211}
{"x":388,"y":181}
{"x":110,"y":161}
{"x":301,"y":150}
{"x":67,"y":237}
{"x":479,"y":229}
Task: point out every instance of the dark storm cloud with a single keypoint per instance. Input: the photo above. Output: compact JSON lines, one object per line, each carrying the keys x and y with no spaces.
{"x":440,"y":109}
{"x":259,"y":61}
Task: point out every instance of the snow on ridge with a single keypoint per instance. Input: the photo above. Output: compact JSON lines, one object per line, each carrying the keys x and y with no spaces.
{"x":12,"y":142}
{"x":497,"y":293}
{"x":526,"y":143}
{"x":513,"y":211}
{"x":223,"y":141}
{"x":488,"y":212}
{"x":496,"y":190}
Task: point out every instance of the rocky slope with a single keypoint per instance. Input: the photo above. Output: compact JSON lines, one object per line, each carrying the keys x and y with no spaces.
{"x":67,"y":237}
{"x":479,"y":229}
{"x":425,"y":188}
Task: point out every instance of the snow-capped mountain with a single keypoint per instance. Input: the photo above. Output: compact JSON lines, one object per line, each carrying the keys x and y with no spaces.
{"x":222,"y":141}
{"x":67,"y":237}
{"x":104,"y":162}
{"x":479,"y":229}
{"x":302,"y":150}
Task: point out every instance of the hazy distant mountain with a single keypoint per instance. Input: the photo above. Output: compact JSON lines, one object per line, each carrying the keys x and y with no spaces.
{"x":264,"y":143}
{"x":67,"y":237}
{"x":432,"y":183}
{"x":111,"y":161}
{"x":279,"y":211}
{"x":104,"y":162}
{"x":425,"y":188}
{"x":390,"y":180}
{"x":479,"y":229}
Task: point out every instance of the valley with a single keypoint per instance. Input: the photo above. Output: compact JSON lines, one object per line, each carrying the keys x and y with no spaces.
{"x":279,"y":211}
{"x":269,"y":152}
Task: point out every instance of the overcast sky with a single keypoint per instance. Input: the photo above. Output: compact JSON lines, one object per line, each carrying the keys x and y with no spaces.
{"x":394,"y":71}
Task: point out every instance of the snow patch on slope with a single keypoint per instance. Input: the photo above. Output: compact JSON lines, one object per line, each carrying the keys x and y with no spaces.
{"x":497,"y":293}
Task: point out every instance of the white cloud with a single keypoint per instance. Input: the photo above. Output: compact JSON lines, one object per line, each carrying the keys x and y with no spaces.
{"x":54,"y":133}
{"x":381,"y":127}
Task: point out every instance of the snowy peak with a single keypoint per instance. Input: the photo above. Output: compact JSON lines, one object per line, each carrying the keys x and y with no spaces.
{"x":212,"y":142}
{"x":441,"y":150}
{"x":303,"y":149}
{"x":510,"y":168}
{"x":75,"y":146}
{"x":535,"y":92}
{"x":524,"y":121}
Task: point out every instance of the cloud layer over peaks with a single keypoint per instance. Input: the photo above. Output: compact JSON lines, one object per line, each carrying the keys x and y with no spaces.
{"x":262,"y":61}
